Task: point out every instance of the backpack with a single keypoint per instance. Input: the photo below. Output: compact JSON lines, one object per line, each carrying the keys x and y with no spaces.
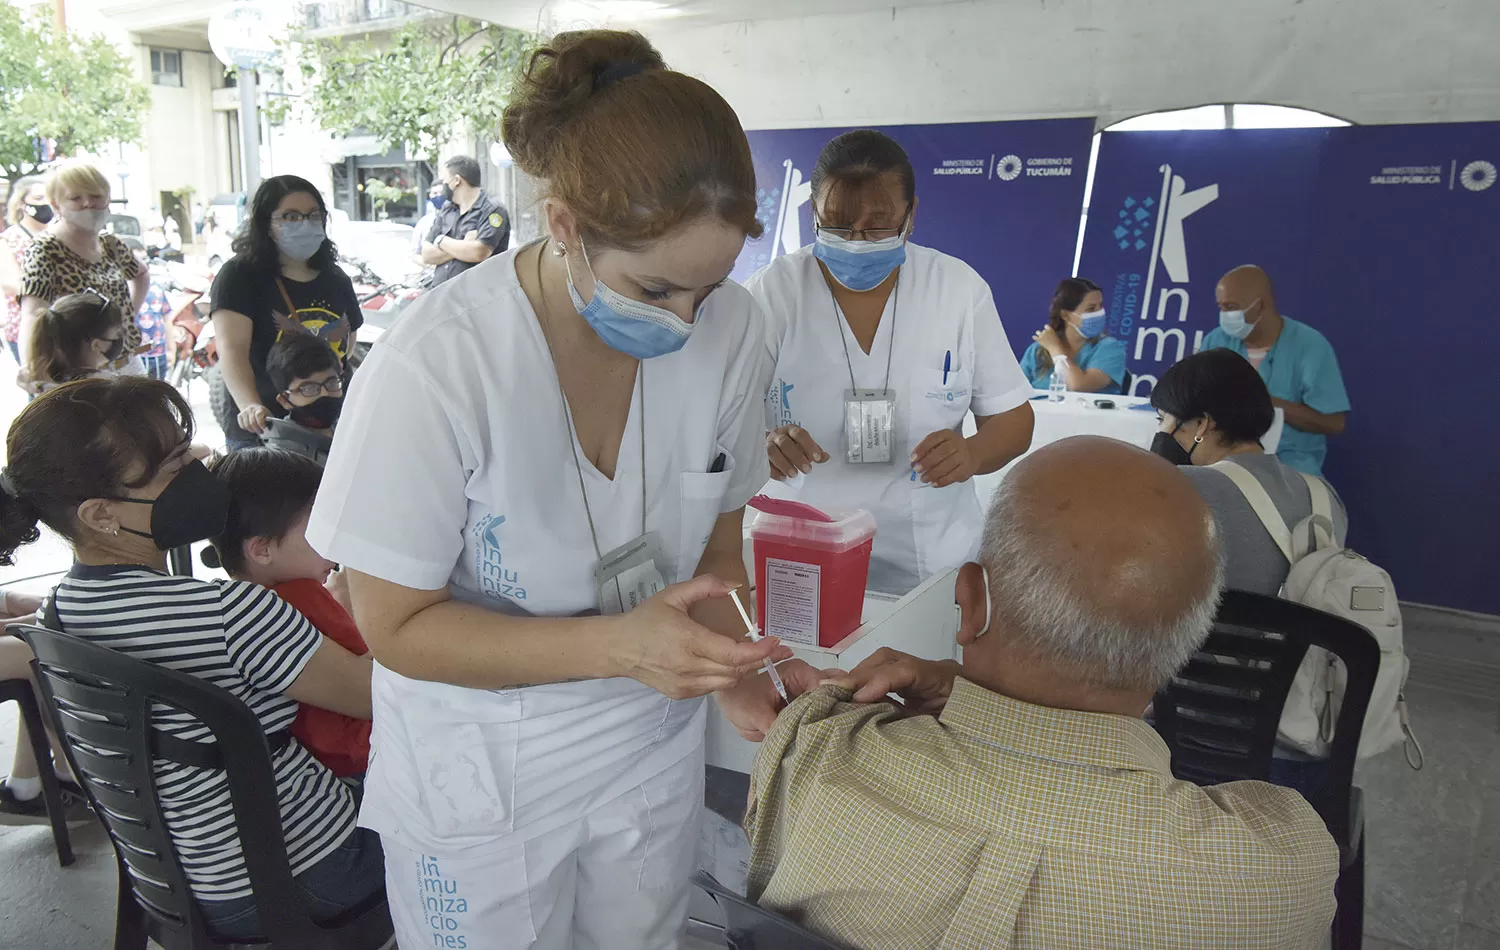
{"x":1335,"y":580}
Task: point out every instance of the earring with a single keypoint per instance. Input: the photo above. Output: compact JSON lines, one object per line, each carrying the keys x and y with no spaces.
{"x":561,"y":249}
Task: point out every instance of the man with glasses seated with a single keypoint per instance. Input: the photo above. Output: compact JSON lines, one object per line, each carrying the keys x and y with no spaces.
{"x":310,"y":387}
{"x":283,"y":281}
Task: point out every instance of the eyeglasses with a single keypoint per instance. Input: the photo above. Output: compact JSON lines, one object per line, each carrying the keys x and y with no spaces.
{"x":311,"y":390}
{"x":297,"y":217}
{"x":864,"y":234}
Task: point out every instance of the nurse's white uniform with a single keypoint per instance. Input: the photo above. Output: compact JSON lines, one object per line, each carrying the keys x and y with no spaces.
{"x":555,"y":816}
{"x":942,"y":307}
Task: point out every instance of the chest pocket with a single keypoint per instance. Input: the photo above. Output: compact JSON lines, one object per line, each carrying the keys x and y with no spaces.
{"x":936,"y":404}
{"x":701,"y":504}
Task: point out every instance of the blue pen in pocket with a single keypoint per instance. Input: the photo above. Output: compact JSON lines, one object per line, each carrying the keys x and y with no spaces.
{"x":947,"y":365}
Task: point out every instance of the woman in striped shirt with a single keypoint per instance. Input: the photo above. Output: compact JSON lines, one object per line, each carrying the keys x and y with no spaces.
{"x":107,"y":464}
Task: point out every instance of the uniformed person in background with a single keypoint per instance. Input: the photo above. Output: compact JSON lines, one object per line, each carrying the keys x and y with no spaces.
{"x":469,"y":228}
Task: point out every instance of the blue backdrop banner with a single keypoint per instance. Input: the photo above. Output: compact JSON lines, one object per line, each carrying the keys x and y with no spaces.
{"x":1003,"y":196}
{"x":1379,"y":236}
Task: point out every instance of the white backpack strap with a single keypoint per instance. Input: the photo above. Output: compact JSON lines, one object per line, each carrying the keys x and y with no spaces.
{"x":1260,"y":500}
{"x":1320,"y":521}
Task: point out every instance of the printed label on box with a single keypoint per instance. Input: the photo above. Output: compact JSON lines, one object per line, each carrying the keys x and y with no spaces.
{"x":792,"y":590}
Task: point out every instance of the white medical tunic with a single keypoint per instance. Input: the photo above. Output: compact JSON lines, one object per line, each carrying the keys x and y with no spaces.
{"x":454,"y":465}
{"x":940,"y":310}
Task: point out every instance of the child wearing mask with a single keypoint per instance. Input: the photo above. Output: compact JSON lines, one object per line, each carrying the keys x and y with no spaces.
{"x":78,"y":337}
{"x":309,"y":382}
{"x":271,"y":494}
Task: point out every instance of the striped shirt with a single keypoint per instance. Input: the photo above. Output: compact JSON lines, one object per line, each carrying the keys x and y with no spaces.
{"x":1000,"y":825}
{"x":242,"y":638}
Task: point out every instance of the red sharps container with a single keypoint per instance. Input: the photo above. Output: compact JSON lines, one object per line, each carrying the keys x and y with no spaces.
{"x":810,"y":570}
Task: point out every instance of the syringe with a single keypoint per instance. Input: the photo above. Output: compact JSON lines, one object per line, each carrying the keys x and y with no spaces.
{"x":755,"y":636}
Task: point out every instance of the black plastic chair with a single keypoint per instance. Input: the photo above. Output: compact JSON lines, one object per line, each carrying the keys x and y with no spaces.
{"x":752,"y":927}
{"x":100,"y":701}
{"x":1219,"y":717}
{"x":19,"y":691}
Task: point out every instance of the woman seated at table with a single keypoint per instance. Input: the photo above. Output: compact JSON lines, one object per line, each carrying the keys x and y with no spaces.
{"x":1075,"y":343}
{"x":108,"y":464}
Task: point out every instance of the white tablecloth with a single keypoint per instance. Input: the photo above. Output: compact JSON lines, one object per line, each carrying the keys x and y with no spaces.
{"x":1077,"y":415}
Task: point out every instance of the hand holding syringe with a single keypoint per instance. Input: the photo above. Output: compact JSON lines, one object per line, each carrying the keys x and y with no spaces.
{"x":755,"y":636}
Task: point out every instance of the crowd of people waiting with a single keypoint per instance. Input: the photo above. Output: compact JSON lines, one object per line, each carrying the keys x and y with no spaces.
{"x":548,"y":750}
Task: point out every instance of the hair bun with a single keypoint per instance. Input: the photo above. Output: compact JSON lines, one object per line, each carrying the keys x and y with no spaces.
{"x":557,"y":84}
{"x":210,"y":558}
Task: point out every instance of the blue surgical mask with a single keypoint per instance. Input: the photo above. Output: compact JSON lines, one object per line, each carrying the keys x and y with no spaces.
{"x":1233,"y":322}
{"x":299,"y":240}
{"x":438,"y":202}
{"x":1091,"y":324}
{"x":860,"y":265}
{"x":632,"y":327}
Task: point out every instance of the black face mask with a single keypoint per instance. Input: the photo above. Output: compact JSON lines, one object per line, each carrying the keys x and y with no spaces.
{"x":116,"y":349}
{"x":321,"y":413}
{"x":41,"y":214}
{"x":193,"y":506}
{"x":1166,"y":445}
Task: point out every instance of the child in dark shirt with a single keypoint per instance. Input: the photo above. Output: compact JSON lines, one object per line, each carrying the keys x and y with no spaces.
{"x":309,"y":385}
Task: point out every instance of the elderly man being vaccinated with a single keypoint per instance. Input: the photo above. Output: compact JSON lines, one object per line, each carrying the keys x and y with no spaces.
{"x":1018,"y":800}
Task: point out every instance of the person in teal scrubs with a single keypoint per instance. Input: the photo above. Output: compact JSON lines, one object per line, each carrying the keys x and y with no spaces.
{"x":1095,"y":362}
{"x":1295,"y":360}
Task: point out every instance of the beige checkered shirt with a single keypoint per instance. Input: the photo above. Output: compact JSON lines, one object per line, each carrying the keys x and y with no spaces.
{"x":1001,"y":824}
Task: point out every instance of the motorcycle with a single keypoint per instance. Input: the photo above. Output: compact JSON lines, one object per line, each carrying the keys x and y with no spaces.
{"x":380,"y":302}
{"x":190,"y":346}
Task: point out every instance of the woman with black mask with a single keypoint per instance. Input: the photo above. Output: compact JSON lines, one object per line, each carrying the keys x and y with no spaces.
{"x":283,"y":278}
{"x":108,"y":464}
{"x":1214,"y":409}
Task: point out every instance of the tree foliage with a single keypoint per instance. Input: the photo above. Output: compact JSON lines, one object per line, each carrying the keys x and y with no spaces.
{"x":427,"y":83}
{"x":79,"y":91}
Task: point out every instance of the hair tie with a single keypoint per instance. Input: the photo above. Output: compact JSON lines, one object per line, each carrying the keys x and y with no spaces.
{"x":615,"y":72}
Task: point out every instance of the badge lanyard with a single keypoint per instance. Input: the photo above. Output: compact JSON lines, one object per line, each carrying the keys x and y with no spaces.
{"x":869,"y":415}
{"x":573,"y":435}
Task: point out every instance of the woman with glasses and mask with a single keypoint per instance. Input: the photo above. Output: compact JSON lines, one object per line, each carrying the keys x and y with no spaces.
{"x":75,"y":256}
{"x":283,"y":278}
{"x":538,"y":492}
{"x":1076,"y":343}
{"x":881,"y":348}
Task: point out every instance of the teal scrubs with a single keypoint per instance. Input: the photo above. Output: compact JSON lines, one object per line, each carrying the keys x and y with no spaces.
{"x":1300,"y":367}
{"x":1105,"y":353}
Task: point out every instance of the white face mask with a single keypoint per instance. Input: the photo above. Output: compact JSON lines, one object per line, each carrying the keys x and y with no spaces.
{"x":86,"y":219}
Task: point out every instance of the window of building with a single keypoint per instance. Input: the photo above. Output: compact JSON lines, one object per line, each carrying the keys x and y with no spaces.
{"x":1240,"y":115}
{"x":166,"y":67}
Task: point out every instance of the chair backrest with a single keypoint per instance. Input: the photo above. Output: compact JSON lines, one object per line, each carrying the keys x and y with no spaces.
{"x":1219,"y":714}
{"x":752,"y":927}
{"x":101,"y":701}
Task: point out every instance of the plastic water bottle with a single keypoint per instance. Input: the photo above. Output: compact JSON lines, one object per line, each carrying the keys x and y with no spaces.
{"x":1057,"y":389}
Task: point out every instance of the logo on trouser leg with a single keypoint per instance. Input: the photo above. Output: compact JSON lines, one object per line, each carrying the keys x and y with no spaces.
{"x":442,"y":904}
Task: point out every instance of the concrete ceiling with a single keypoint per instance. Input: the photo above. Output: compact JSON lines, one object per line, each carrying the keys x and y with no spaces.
{"x":565,"y":14}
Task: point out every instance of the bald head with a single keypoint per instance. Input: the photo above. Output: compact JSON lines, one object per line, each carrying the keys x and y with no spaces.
{"x":1103,"y":562}
{"x":1243,"y":286}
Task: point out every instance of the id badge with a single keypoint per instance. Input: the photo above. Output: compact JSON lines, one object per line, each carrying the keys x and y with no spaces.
{"x":869,"y":426}
{"x":629,"y":575}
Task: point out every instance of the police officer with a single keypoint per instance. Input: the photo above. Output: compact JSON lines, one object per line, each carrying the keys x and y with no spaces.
{"x":469,"y":228}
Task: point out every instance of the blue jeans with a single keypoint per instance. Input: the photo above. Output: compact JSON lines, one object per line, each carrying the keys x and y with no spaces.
{"x":156,"y":366}
{"x":346,"y":878}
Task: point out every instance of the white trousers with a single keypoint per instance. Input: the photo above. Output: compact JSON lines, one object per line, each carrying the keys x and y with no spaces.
{"x":615,"y":878}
